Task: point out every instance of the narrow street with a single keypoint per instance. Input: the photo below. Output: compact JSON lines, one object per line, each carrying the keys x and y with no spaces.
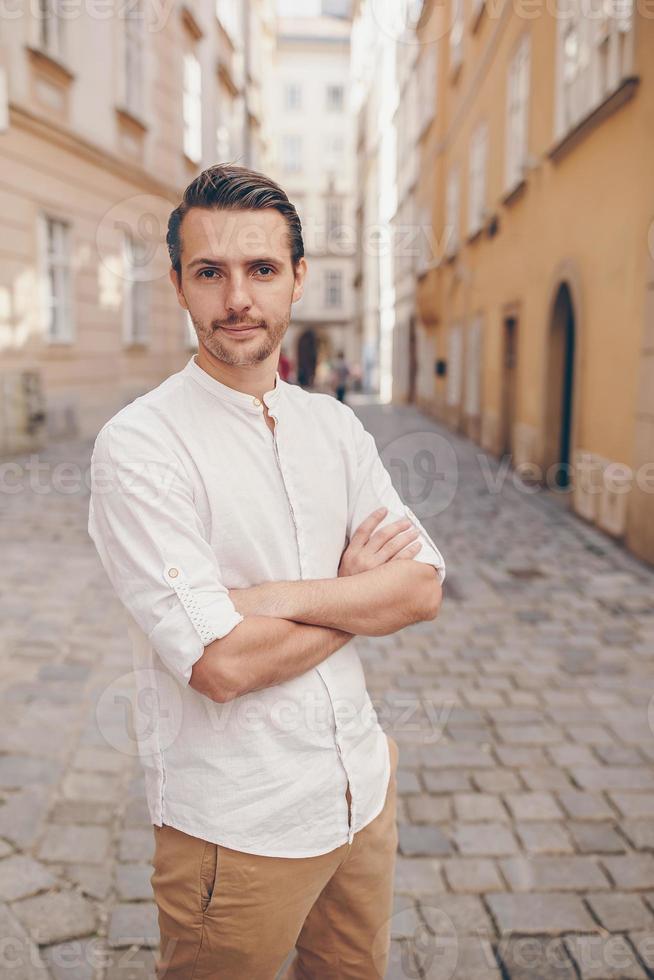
{"x":524,"y":715}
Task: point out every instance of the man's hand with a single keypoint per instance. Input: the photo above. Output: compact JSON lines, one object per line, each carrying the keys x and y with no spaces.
{"x":368,"y":550}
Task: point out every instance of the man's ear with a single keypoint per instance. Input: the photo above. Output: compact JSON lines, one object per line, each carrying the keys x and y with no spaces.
{"x":176,"y":281}
{"x":300,"y":273}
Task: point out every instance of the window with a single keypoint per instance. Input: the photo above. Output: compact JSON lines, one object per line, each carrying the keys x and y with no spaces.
{"x":473,"y":369}
{"x":427,"y":85}
{"x":227,"y":12}
{"x":333,"y":288}
{"x":136,"y":256}
{"x":51,"y":28}
{"x":335,"y":98}
{"x":594,"y":56}
{"x":192,"y":108}
{"x":333,"y":216}
{"x":452,"y":213}
{"x":134,"y":58}
{"x":454,"y":365}
{"x":477,"y":190}
{"x":517,"y":113}
{"x":456,"y":36}
{"x":57,"y":286}
{"x":291,"y":154}
{"x":293,"y":95}
{"x":334,"y":151}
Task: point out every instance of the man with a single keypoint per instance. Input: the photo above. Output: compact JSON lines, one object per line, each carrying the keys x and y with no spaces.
{"x":251,"y":532}
{"x":341,"y":373}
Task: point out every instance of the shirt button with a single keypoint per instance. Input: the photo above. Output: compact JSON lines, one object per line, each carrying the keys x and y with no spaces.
{"x":256,"y":401}
{"x":173,"y":572}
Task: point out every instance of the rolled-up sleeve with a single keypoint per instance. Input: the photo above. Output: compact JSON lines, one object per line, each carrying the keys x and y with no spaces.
{"x":372,"y":488}
{"x":153,"y":546}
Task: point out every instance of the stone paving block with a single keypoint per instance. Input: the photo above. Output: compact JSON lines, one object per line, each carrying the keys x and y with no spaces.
{"x":496,"y":781}
{"x":533,"y":806}
{"x":619,"y":755}
{"x":465,"y":912}
{"x":416,"y":839}
{"x":133,"y":882}
{"x":604,"y":958}
{"x":619,"y":912}
{"x":485,"y":839}
{"x":21,"y":959}
{"x":585,"y":806}
{"x":478,"y":806}
{"x":613,"y":777}
{"x":428,"y":809}
{"x":75,"y":843}
{"x":133,"y":964}
{"x":447,"y":781}
{"x":18,"y":771}
{"x":472,"y":875}
{"x":552,"y":913}
{"x":456,"y":757}
{"x":539,"y":837}
{"x":517,"y":756}
{"x":639,"y":833}
{"x":535,"y":958}
{"x":136,"y":845}
{"x":133,"y":924}
{"x":643,"y":943}
{"x":631,"y":871}
{"x":542,"y":874}
{"x":88,"y":759}
{"x":81,"y":812}
{"x":571,"y":755}
{"x":417,"y":876}
{"x":407,"y":781}
{"x":137,"y":814}
{"x":93,"y":880}
{"x":545,"y":778}
{"x":90,"y":787}
{"x":528,"y":735}
{"x":634,"y":805}
{"x":78,"y":959}
{"x":56,"y":916}
{"x":21,"y":876}
{"x":596,"y":838}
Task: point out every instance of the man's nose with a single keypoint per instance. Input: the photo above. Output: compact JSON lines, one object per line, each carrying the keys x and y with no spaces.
{"x":237,"y":297}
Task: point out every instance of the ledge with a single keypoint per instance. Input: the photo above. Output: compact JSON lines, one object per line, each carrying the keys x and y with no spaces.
{"x":191,"y":23}
{"x":515,"y":193}
{"x":128,"y":120}
{"x":625,"y":91}
{"x":55,"y":69}
{"x":226,"y":77}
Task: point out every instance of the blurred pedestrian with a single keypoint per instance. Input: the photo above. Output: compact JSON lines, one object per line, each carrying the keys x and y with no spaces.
{"x":340,"y":375}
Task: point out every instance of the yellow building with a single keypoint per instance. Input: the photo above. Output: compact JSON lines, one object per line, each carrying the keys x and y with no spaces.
{"x":103,"y":124}
{"x":535,"y":201}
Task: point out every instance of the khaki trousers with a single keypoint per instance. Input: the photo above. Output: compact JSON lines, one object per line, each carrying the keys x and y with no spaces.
{"x":228,"y":915}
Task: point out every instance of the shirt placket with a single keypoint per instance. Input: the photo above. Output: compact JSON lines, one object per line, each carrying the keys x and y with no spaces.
{"x":287,"y":490}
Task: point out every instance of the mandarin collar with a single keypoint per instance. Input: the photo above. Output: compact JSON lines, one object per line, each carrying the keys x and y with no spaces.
{"x":241,"y":398}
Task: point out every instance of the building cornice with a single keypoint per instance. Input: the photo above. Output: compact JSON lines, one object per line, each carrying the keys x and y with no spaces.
{"x":51,"y":131}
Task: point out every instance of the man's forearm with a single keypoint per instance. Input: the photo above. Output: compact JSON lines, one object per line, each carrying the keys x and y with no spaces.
{"x":372,"y":603}
{"x":261,"y":652}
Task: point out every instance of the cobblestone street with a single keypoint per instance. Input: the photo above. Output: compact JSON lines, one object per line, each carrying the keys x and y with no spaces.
{"x":523,"y":715}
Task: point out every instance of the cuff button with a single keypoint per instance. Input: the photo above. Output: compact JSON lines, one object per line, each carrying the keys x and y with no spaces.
{"x":173,"y":572}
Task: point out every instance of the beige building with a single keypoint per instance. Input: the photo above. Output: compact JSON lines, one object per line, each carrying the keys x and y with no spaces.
{"x":314,"y":162}
{"x":535,"y":290}
{"x":105,"y":122}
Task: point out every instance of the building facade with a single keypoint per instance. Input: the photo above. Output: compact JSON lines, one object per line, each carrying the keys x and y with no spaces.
{"x":535,"y":290}
{"x":105,"y":122}
{"x":314,"y":125}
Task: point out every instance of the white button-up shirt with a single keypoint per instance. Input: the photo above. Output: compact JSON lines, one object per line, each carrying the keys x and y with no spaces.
{"x":193,"y":495}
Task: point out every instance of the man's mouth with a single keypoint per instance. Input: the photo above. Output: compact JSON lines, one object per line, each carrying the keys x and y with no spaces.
{"x":241,"y":331}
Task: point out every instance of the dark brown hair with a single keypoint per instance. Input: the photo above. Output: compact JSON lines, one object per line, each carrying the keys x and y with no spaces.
{"x":233,"y":188}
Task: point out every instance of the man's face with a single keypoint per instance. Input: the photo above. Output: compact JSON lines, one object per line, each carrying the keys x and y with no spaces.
{"x":238,"y":281}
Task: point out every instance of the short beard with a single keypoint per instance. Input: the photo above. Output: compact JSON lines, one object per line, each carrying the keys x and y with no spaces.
{"x":272,"y":335}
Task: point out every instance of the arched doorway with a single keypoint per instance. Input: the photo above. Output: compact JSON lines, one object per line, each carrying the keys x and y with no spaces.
{"x":560,"y":389}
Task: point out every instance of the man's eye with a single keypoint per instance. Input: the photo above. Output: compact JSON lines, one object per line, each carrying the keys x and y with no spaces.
{"x":201,"y":274}
{"x":265,"y":268}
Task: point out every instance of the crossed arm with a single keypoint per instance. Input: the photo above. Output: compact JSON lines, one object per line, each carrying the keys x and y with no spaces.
{"x":290,"y":627}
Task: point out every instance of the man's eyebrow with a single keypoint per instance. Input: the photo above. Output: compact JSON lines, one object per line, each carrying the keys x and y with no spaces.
{"x":263,"y":260}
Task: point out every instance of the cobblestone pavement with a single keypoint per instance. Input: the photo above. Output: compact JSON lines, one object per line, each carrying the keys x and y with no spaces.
{"x":523,"y":715}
